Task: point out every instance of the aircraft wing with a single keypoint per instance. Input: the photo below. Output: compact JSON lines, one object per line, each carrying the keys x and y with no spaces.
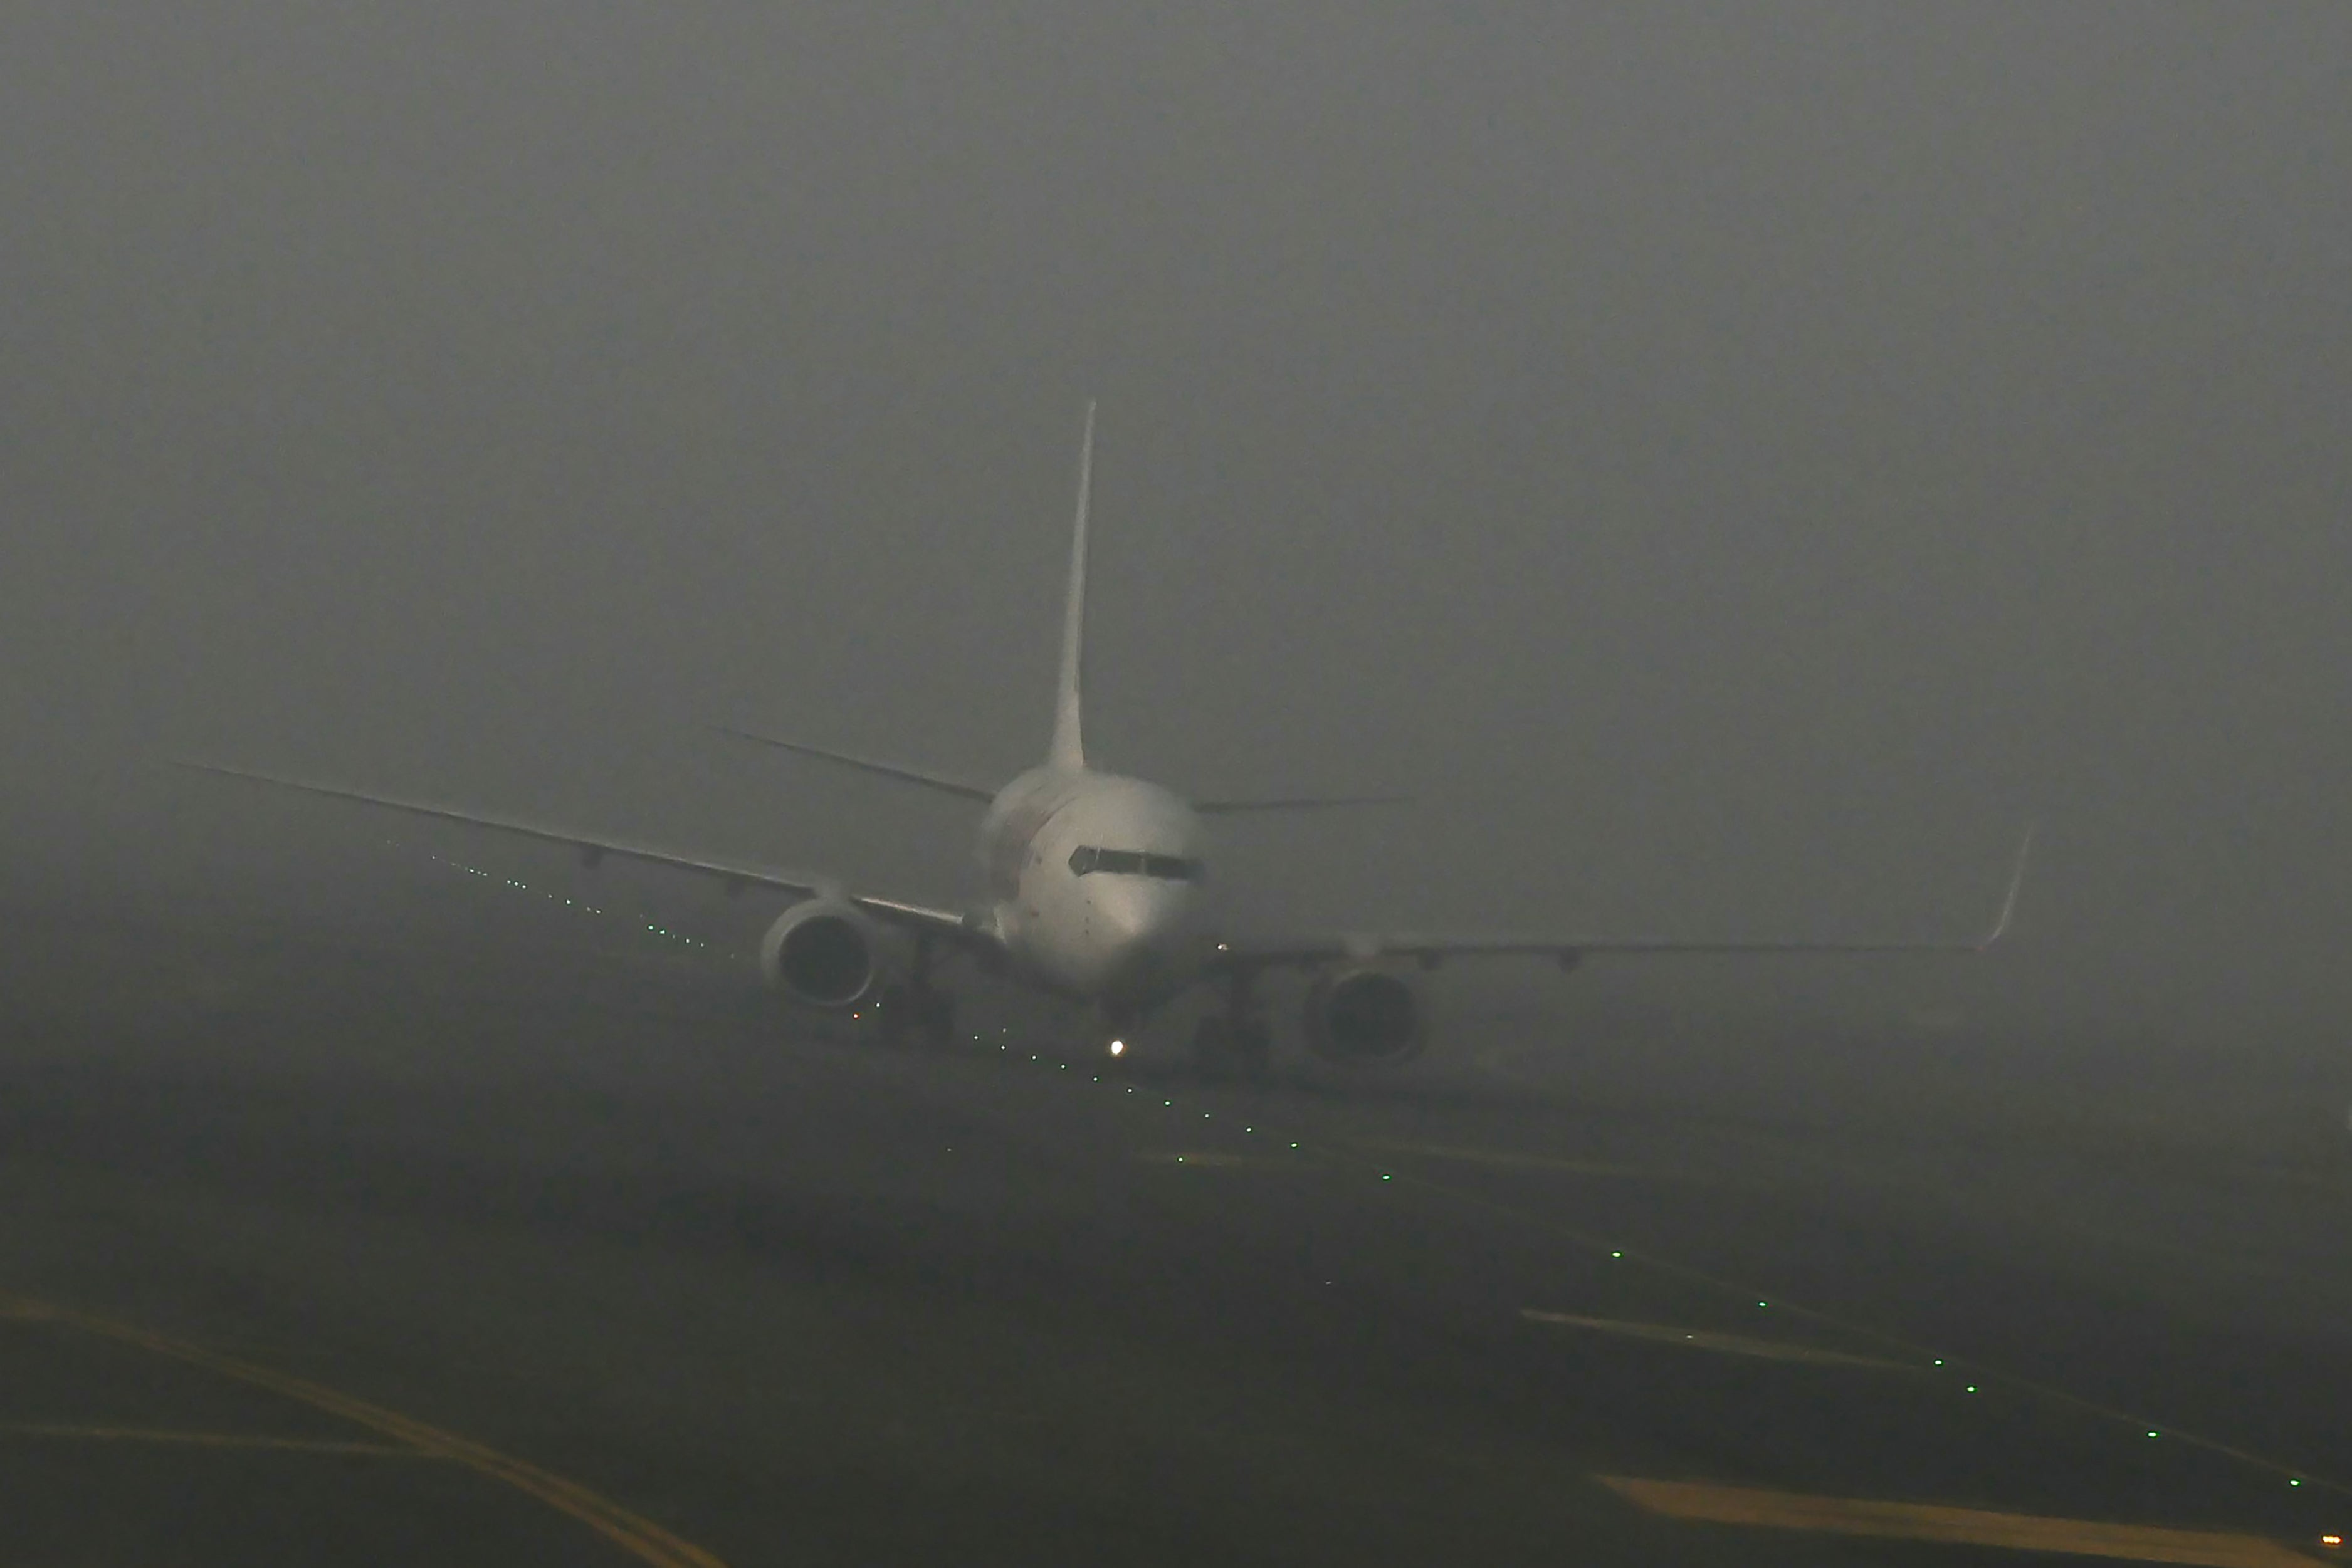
{"x":968,"y":789}
{"x":1433,"y":948}
{"x":594,"y":847}
{"x":1238,"y":807}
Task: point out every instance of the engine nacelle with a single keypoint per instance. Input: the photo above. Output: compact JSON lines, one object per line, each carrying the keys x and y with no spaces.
{"x":822,"y":952}
{"x":1363,"y":1018}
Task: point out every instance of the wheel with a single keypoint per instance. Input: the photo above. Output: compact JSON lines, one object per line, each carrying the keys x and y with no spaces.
{"x":893,"y":1011}
{"x":916,"y":1013}
{"x":935,"y":1018}
{"x":1253,"y":1046}
{"x":1213,"y":1047}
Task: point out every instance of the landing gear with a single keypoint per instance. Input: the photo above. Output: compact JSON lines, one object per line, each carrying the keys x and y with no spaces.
{"x":919,"y":1008}
{"x":1223,"y":1048}
{"x":921,"y":1013}
{"x":1235,"y":1040}
{"x":1253,"y":1047}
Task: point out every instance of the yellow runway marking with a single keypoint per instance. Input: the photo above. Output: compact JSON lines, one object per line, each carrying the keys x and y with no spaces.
{"x":209,"y":1439}
{"x":1710,"y":1504}
{"x":1723,"y":1343}
{"x":1667,"y":1267}
{"x":634,"y":1533}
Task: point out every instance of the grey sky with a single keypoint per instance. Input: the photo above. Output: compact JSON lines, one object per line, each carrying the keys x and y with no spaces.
{"x":1735,"y":464}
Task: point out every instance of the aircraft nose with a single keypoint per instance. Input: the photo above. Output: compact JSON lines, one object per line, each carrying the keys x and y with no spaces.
{"x":1133,"y":920}
{"x":1130,"y":913}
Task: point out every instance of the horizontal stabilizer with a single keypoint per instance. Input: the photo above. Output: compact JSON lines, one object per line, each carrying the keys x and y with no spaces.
{"x":940,"y":781}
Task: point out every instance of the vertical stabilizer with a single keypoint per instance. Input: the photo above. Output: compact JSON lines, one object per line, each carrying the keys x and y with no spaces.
{"x":1067,"y":752}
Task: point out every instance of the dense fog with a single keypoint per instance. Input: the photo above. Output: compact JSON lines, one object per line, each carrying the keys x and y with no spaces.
{"x":1732,"y":466}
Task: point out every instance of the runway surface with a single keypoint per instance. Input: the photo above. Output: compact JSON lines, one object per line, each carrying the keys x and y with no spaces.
{"x":433,"y":1236}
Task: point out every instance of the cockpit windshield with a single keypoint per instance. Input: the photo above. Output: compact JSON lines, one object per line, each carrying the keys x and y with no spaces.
{"x":1086,"y":858}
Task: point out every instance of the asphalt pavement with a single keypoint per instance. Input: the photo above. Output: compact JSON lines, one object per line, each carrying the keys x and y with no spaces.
{"x":435,"y":1234}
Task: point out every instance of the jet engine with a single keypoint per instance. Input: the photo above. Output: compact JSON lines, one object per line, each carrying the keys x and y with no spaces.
{"x":822,"y":952}
{"x":1363,"y":1018}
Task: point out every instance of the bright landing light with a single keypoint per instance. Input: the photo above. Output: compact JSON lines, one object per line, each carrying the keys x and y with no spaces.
{"x":1118,"y":1048}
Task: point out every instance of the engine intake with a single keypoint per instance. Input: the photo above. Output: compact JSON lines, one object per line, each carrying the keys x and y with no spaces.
{"x":1363,"y":1018}
{"x":823,"y":952}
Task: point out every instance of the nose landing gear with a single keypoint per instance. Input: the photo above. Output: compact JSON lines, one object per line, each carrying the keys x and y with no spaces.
{"x":1112,"y":1034}
{"x":1236,"y":1040}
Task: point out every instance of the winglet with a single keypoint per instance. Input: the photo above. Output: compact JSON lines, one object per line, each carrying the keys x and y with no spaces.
{"x":2016,"y":885}
{"x":1068,"y":751}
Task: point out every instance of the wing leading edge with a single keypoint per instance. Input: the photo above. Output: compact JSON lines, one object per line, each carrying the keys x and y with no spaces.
{"x":1238,"y":807}
{"x":1433,"y":948}
{"x":592,"y":847}
{"x":945,"y":783}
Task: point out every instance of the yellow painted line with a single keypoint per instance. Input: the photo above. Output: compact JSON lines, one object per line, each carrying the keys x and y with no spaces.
{"x":1723,"y":1343}
{"x":1669,"y":1268}
{"x":1709,"y":1504}
{"x":634,"y":1533}
{"x":208,"y":1440}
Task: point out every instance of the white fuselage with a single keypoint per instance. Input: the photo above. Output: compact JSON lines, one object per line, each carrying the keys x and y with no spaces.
{"x":1094,"y":882}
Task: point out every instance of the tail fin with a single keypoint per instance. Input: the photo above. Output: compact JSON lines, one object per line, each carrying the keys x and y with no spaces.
{"x":1068,"y":751}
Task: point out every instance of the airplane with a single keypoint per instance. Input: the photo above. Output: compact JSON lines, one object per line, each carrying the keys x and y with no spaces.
{"x":1092,"y":890}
